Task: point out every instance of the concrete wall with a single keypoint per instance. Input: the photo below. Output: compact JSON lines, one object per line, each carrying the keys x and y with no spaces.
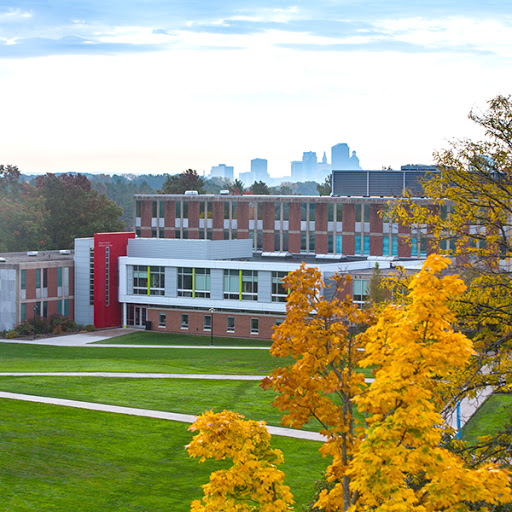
{"x":7,"y":299}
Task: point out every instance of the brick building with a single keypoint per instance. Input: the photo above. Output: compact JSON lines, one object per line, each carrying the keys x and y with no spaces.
{"x":35,"y":283}
{"x":326,"y":227}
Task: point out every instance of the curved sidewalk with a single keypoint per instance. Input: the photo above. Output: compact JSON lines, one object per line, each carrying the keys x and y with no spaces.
{"x":148,"y":413}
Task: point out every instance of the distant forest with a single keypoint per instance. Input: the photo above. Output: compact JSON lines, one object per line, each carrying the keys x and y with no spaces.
{"x":120,"y":188}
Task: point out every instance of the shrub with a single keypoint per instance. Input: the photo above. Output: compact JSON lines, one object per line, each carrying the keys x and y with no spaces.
{"x":57,"y":329}
{"x":90,"y":328}
{"x":11,"y":334}
{"x":42,"y":326}
{"x":65,"y":323}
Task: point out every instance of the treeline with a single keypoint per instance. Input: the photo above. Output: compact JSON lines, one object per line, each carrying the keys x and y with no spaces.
{"x":50,"y":211}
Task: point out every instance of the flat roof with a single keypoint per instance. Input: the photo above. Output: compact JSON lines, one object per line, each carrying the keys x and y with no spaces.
{"x":37,"y":256}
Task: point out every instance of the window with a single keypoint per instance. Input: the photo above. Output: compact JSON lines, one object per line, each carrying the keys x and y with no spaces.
{"x":177,"y":209}
{"x":277,"y":211}
{"x":366,"y":246}
{"x":394,"y":246}
{"x":59,"y":277}
{"x":330,"y":212}
{"x":312,"y":212}
{"x":154,"y":206}
{"x":185,"y":282}
{"x":279,"y":292}
{"x":140,"y":280}
{"x":339,"y":244}
{"x":259,"y":241}
{"x":311,"y":241}
{"x":38,"y":278}
{"x":24,"y":279}
{"x":278,"y":322}
{"x":339,"y":212}
{"x":232,"y":284}
{"x":357,"y":244}
{"x":303,"y":211}
{"x":277,"y":241}
{"x":207,"y":323}
{"x":161,"y":233}
{"x":254,"y":326}
{"x":66,"y":307}
{"x":414,"y":247}
{"x":361,"y":290}
{"x":184,"y":321}
{"x":45,"y":309}
{"x":107,"y":276}
{"x":249,"y":285}
{"x":162,"y":319}
{"x":91,"y":275}
{"x":59,"y":307}
{"x":230,"y":325}
{"x":185,"y":209}
{"x":366,"y":212}
{"x":303,"y":242}
{"x":358,"y":212}
{"x":201,"y":283}
{"x":23,"y":312}
{"x":385,"y":246}
{"x":423,"y":247}
{"x":137,"y":208}
{"x":154,"y":233}
{"x":157,"y":280}
{"x":234,"y":210}
{"x":161,"y":209}
{"x":330,"y":243}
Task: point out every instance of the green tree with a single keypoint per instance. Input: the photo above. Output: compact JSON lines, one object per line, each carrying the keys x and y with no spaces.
{"x":469,"y":216}
{"x":325,"y":188}
{"x":23,"y":213}
{"x":260,"y":188}
{"x":75,"y":210}
{"x":180,"y":183}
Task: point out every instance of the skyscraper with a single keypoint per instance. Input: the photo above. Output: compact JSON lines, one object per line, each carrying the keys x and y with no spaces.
{"x":259,"y":169}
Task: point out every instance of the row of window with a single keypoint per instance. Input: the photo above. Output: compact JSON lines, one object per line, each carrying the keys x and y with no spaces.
{"x":42,"y":282}
{"x":196,"y":283}
{"x":207,"y":323}
{"x":41,"y":309}
{"x":281,"y":211}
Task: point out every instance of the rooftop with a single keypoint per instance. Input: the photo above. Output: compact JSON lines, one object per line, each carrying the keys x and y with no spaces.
{"x":35,"y":256}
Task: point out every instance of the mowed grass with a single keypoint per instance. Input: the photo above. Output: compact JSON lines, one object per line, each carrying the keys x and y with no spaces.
{"x":34,"y":358}
{"x":493,"y":415}
{"x":189,"y":340}
{"x":186,"y":396}
{"x":64,"y":459}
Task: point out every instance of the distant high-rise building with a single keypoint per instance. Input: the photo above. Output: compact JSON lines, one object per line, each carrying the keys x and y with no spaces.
{"x":222,"y":171}
{"x":296,"y":171}
{"x":309,"y":163}
{"x":341,"y":159}
{"x":259,"y":169}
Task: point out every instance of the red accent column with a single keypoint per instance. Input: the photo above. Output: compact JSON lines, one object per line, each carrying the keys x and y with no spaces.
{"x":110,"y":315}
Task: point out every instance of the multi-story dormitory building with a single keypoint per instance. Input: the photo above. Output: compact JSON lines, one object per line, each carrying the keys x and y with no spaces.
{"x":40,"y":283}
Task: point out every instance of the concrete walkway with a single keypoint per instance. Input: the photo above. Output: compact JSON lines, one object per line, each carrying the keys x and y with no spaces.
{"x":148,"y":413}
{"x":131,"y":375}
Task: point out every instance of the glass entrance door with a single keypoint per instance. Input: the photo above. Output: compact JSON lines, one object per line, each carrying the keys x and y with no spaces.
{"x":137,"y":316}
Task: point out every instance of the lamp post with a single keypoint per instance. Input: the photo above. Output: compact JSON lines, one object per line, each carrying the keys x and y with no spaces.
{"x":35,"y":309}
{"x":212,"y":310}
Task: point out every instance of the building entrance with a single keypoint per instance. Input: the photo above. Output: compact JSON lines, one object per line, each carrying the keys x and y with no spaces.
{"x":137,"y":316}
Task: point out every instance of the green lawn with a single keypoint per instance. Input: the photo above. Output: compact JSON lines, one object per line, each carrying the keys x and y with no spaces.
{"x":33,"y":358}
{"x":492,"y":415}
{"x":172,"y":395}
{"x":62,"y":459}
{"x":192,"y":340}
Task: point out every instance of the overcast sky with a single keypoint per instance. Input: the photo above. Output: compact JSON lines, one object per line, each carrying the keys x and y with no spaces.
{"x":163,"y":85}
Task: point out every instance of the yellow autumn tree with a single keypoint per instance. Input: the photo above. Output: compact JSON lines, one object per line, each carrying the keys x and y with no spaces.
{"x":321,"y":384}
{"x":395,"y":459}
{"x":401,"y":464}
{"x":468,"y":217}
{"x":253,"y":483}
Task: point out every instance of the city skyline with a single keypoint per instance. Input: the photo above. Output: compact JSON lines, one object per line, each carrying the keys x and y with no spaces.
{"x":115,"y":87}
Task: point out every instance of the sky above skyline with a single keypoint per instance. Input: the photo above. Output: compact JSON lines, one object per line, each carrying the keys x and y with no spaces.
{"x":162,"y":86}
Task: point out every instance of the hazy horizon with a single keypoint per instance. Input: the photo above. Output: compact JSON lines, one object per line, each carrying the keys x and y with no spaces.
{"x":122,"y":87}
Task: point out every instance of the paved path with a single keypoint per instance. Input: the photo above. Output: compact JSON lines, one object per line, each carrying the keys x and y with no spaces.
{"x":148,"y":413}
{"x":131,"y":375}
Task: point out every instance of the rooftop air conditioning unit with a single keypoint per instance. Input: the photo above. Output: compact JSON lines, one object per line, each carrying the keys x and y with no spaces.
{"x":32,"y":253}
